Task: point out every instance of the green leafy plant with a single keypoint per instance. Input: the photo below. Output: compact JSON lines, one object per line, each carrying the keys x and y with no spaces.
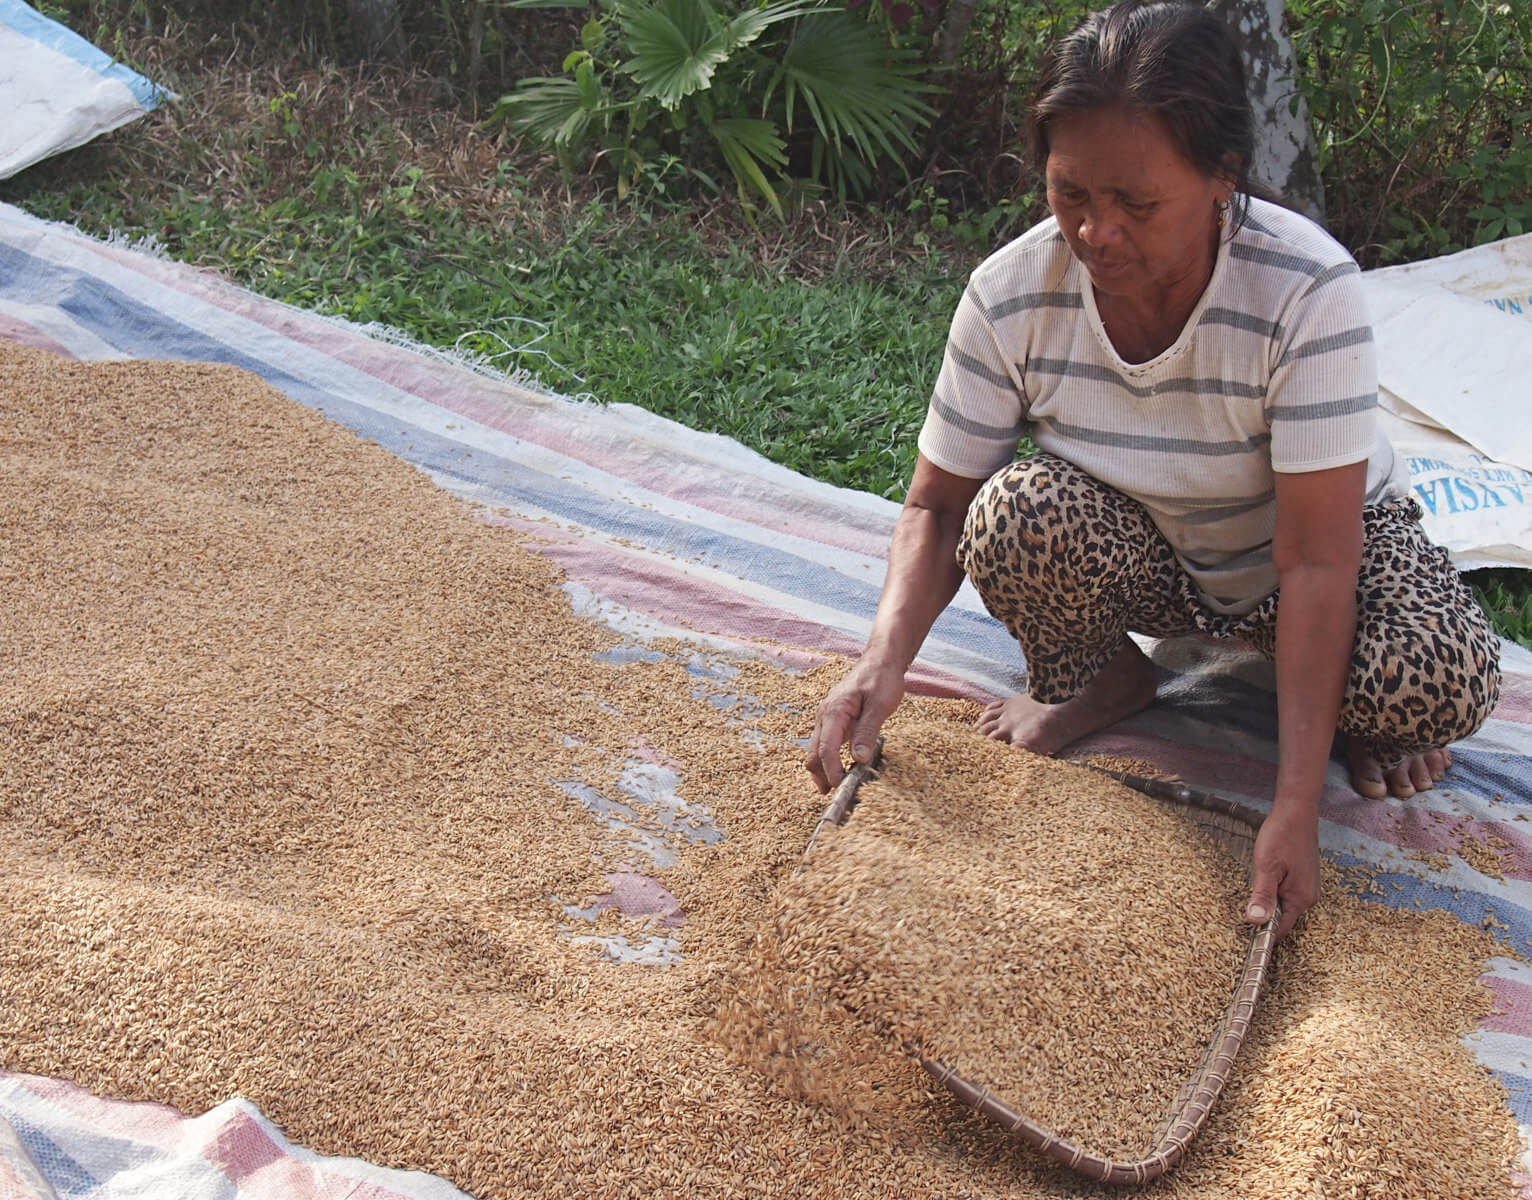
{"x":862,"y":97}
{"x":1506,"y":596}
{"x":695,"y":79}
{"x":1421,"y":112}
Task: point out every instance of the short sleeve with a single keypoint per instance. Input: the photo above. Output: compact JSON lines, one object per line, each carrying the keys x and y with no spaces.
{"x":1323,"y":397}
{"x":977,"y":412}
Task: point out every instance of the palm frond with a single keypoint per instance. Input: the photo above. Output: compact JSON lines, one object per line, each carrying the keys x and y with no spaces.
{"x":843,"y":173}
{"x":854,"y":88}
{"x":550,"y":110}
{"x":677,"y":45}
{"x":748,"y":143}
{"x":748,"y":25}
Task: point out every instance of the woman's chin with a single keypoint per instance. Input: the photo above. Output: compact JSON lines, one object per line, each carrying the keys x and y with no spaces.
{"x":1109,"y":277}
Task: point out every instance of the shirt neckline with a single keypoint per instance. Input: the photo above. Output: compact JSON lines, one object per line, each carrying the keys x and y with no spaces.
{"x":1183,"y":339}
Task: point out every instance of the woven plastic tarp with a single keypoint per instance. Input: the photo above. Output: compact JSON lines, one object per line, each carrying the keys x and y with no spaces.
{"x":57,"y":1140}
{"x":664,"y":531}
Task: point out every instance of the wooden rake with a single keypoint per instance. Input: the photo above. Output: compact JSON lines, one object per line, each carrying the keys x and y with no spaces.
{"x":1232,"y":825}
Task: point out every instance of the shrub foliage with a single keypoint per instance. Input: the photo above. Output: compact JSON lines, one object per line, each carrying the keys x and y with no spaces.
{"x":1422,"y":108}
{"x":690,"y":81}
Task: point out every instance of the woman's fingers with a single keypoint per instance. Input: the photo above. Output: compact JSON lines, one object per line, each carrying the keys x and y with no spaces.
{"x":830,"y":729}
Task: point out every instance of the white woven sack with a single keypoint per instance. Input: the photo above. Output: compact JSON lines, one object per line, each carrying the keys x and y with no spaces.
{"x":57,"y":91}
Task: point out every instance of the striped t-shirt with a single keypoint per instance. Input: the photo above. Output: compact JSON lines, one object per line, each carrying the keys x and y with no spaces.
{"x":1274,"y":371}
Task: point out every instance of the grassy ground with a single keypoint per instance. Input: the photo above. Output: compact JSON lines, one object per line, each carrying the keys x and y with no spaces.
{"x":814,"y":342}
{"x":1507,"y":597}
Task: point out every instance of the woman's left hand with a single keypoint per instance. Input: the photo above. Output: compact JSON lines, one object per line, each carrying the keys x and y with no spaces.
{"x":1317,"y":549}
{"x":1285,"y":868}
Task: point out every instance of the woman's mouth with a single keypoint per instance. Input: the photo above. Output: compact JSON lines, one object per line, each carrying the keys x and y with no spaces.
{"x":1106,"y":267}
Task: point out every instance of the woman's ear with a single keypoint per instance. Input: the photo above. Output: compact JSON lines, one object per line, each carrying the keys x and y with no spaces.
{"x":1233,"y":167}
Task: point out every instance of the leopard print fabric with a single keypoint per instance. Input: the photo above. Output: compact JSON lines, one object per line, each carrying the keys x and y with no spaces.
{"x":1070,"y":566}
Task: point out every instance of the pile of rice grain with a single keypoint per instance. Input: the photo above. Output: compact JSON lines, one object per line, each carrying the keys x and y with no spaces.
{"x":283,"y":731}
{"x":1054,"y":936}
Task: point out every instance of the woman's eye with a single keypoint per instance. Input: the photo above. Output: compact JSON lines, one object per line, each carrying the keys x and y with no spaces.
{"x":1139,"y":207}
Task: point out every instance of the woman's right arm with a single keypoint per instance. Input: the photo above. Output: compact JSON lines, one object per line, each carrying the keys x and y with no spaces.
{"x":923,"y":576}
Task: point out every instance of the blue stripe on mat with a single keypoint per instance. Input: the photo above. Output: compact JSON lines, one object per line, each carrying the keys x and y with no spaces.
{"x":1519,"y":1099}
{"x":125,"y":324}
{"x":59,"y":1168}
{"x":1468,"y":906}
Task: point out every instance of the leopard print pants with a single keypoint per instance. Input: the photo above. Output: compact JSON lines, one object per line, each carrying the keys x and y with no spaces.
{"x":1070,"y":566}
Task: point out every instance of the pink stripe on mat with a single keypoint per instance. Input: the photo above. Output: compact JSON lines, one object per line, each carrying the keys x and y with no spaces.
{"x":1515,"y":699}
{"x":1513,"y":1007}
{"x":241,"y":1148}
{"x":143,"y":1121}
{"x":1409,"y":826}
{"x":1414,"y":828}
{"x":13,"y":1185}
{"x":1235,"y":776}
{"x":14,"y":329}
{"x":262,"y":1169}
{"x":650,"y":589}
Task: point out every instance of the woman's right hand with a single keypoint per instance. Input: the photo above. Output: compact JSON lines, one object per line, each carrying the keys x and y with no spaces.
{"x":922,"y":577}
{"x":853,"y":712}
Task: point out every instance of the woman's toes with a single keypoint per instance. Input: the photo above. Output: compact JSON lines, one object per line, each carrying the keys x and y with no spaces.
{"x":1417,"y":773}
{"x":1366,"y":775}
{"x":1437,"y":762}
{"x":1399,"y":782}
{"x":1368,"y":781}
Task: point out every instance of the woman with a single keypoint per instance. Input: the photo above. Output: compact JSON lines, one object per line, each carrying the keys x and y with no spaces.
{"x":1196,"y":368}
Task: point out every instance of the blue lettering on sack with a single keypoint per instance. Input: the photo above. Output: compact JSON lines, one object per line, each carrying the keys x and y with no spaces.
{"x":1457,"y":494}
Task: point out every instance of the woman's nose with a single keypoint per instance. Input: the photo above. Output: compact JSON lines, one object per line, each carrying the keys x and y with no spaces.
{"x":1097,"y":228}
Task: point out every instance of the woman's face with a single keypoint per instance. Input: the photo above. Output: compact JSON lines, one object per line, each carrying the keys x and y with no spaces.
{"x":1137,"y":215}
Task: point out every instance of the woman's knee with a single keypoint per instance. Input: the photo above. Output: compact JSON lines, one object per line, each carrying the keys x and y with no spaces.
{"x":1426,"y":665}
{"x":1035,"y":518}
{"x":1420,"y":688}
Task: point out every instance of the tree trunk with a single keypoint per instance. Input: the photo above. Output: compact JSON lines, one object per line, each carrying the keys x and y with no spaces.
{"x":475,"y":55}
{"x":1286,"y":157}
{"x":954,"y":27}
{"x":379,"y":30}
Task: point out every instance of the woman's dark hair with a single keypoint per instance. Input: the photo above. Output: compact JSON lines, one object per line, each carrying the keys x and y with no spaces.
{"x":1175,"y":60}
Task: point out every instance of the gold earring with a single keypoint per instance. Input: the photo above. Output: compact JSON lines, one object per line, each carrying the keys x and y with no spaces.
{"x":1221,"y":207}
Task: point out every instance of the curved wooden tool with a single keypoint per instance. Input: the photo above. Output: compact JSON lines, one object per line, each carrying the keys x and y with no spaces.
{"x":1235,"y":826}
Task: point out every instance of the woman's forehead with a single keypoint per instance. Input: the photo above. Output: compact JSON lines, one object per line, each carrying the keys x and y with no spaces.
{"x":1112,"y":145}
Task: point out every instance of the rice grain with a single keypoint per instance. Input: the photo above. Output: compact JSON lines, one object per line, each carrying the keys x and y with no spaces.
{"x":301,"y":767}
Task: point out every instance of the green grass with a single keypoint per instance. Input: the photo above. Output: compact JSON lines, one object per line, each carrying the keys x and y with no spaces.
{"x":829,"y":378}
{"x":1506,"y":596}
{"x":815,"y":344}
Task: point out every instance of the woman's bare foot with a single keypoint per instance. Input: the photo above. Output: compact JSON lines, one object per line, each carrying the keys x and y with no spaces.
{"x":1123,"y":687}
{"x":1417,"y":773}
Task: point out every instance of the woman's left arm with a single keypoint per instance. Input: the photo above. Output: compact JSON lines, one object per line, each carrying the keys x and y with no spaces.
{"x":1317,"y":548}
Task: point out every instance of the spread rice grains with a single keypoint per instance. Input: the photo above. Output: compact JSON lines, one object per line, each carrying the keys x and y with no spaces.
{"x":307,"y":783}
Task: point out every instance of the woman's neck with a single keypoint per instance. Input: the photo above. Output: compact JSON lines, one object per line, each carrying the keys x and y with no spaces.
{"x":1144,"y":325}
